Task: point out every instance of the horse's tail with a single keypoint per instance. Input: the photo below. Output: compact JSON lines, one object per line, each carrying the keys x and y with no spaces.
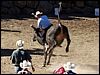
{"x":59,"y":23}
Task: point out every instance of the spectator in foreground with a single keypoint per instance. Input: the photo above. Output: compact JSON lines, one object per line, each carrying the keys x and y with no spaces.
{"x":19,"y":55}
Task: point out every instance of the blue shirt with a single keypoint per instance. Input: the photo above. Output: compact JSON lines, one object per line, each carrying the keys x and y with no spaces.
{"x":43,"y":22}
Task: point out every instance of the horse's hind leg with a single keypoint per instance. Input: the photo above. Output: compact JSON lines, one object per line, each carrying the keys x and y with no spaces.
{"x":68,"y":40}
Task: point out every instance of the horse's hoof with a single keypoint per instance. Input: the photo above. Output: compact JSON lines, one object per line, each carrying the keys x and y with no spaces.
{"x":67,"y":50}
{"x":59,"y":46}
{"x":48,"y":64}
{"x":43,"y":66}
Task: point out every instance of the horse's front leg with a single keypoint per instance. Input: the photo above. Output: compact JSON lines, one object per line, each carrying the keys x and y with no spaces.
{"x":45,"y":54}
{"x":49,"y":56}
{"x":51,"y":48}
{"x":45,"y":58}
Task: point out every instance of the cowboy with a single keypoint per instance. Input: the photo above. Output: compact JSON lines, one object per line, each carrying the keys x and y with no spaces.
{"x":43,"y":24}
{"x":25,"y":65}
{"x":19,"y":55}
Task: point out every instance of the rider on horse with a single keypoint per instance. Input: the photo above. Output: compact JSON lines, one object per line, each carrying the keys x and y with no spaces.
{"x":43,"y":24}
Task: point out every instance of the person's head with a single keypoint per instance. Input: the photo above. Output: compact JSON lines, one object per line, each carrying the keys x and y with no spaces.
{"x":20,"y":44}
{"x":69,"y":66}
{"x":38,"y":14}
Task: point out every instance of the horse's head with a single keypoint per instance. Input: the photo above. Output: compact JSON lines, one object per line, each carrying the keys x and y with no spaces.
{"x":37,"y":35}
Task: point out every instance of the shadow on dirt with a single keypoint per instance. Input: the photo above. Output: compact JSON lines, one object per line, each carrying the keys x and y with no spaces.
{"x":34,"y":51}
{"x":8,"y":52}
{"x":59,"y":55}
{"x":7,"y":30}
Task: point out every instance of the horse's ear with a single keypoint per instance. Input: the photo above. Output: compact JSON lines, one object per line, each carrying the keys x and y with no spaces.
{"x":60,"y":23}
{"x":37,"y":31}
{"x":34,"y":28}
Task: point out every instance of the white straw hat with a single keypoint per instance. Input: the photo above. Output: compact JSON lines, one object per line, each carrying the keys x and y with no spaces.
{"x":69,"y":66}
{"x":20,"y":44}
{"x":25,"y":64}
{"x":38,"y":13}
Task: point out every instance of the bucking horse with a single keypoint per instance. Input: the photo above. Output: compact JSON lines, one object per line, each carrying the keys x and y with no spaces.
{"x":53,"y":40}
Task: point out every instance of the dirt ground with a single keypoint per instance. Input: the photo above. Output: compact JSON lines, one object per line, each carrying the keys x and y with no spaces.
{"x":83,"y":50}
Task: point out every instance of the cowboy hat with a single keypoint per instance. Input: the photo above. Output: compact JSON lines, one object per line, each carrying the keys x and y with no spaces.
{"x":69,"y":66}
{"x":20,"y":44}
{"x":38,"y":13}
{"x":25,"y":64}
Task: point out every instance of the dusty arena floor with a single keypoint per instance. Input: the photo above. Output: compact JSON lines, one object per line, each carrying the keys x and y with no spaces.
{"x":83,"y":50}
